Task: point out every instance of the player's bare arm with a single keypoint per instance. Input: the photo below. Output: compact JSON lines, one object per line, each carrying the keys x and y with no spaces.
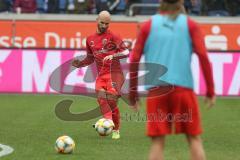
{"x":119,"y":55}
{"x":82,"y":63}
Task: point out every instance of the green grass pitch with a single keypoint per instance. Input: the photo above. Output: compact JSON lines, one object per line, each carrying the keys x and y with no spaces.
{"x":29,"y":125}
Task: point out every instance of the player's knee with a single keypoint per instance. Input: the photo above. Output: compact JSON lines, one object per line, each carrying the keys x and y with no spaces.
{"x":112,"y":97}
{"x":194,"y":139}
{"x":101,"y":93}
{"x":158,"y":139}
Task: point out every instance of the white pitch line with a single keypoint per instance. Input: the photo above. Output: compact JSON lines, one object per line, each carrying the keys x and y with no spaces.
{"x":5,"y":150}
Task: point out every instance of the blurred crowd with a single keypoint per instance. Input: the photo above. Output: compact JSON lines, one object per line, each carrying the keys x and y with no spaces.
{"x":122,"y":7}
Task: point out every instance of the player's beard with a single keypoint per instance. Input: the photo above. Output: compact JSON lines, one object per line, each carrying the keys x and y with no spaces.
{"x":101,"y":29}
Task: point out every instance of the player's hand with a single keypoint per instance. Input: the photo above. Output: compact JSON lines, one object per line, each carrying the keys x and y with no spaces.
{"x":76,"y":63}
{"x":210,"y":101}
{"x":110,"y":57}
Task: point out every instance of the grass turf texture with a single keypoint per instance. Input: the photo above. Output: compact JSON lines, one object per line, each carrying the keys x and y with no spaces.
{"x":29,"y":125}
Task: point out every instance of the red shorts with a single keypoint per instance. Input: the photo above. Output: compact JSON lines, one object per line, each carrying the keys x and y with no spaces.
{"x":111,"y":83}
{"x":174,"y":112}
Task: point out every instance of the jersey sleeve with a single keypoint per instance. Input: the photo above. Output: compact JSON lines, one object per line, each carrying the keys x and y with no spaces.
{"x":118,"y":42}
{"x":201,"y":51}
{"x":135,"y":59}
{"x":121,"y":49}
{"x":89,"y":59}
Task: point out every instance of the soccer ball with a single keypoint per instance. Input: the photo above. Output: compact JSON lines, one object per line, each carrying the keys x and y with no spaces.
{"x":64,"y":144}
{"x":104,"y":126}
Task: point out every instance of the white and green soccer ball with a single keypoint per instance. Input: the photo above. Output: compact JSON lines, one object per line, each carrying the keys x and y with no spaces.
{"x":64,"y":144}
{"x":104,"y":126}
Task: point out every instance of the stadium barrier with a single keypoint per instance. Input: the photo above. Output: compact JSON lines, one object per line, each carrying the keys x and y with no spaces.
{"x":44,"y":31}
{"x":151,"y":6}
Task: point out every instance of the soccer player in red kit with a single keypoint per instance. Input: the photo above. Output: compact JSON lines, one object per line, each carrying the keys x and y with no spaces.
{"x":106,"y":48}
{"x":169,"y":39}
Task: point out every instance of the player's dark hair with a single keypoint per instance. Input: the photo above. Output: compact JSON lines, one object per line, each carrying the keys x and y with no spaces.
{"x":174,"y":7}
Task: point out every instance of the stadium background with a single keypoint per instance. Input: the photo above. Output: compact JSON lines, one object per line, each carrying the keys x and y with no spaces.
{"x":33,"y":46}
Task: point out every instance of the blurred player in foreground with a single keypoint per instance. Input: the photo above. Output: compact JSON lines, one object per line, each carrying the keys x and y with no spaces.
{"x":169,"y":39}
{"x":106,"y":48}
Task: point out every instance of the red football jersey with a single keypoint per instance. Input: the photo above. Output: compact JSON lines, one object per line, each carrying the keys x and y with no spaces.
{"x":101,"y":45}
